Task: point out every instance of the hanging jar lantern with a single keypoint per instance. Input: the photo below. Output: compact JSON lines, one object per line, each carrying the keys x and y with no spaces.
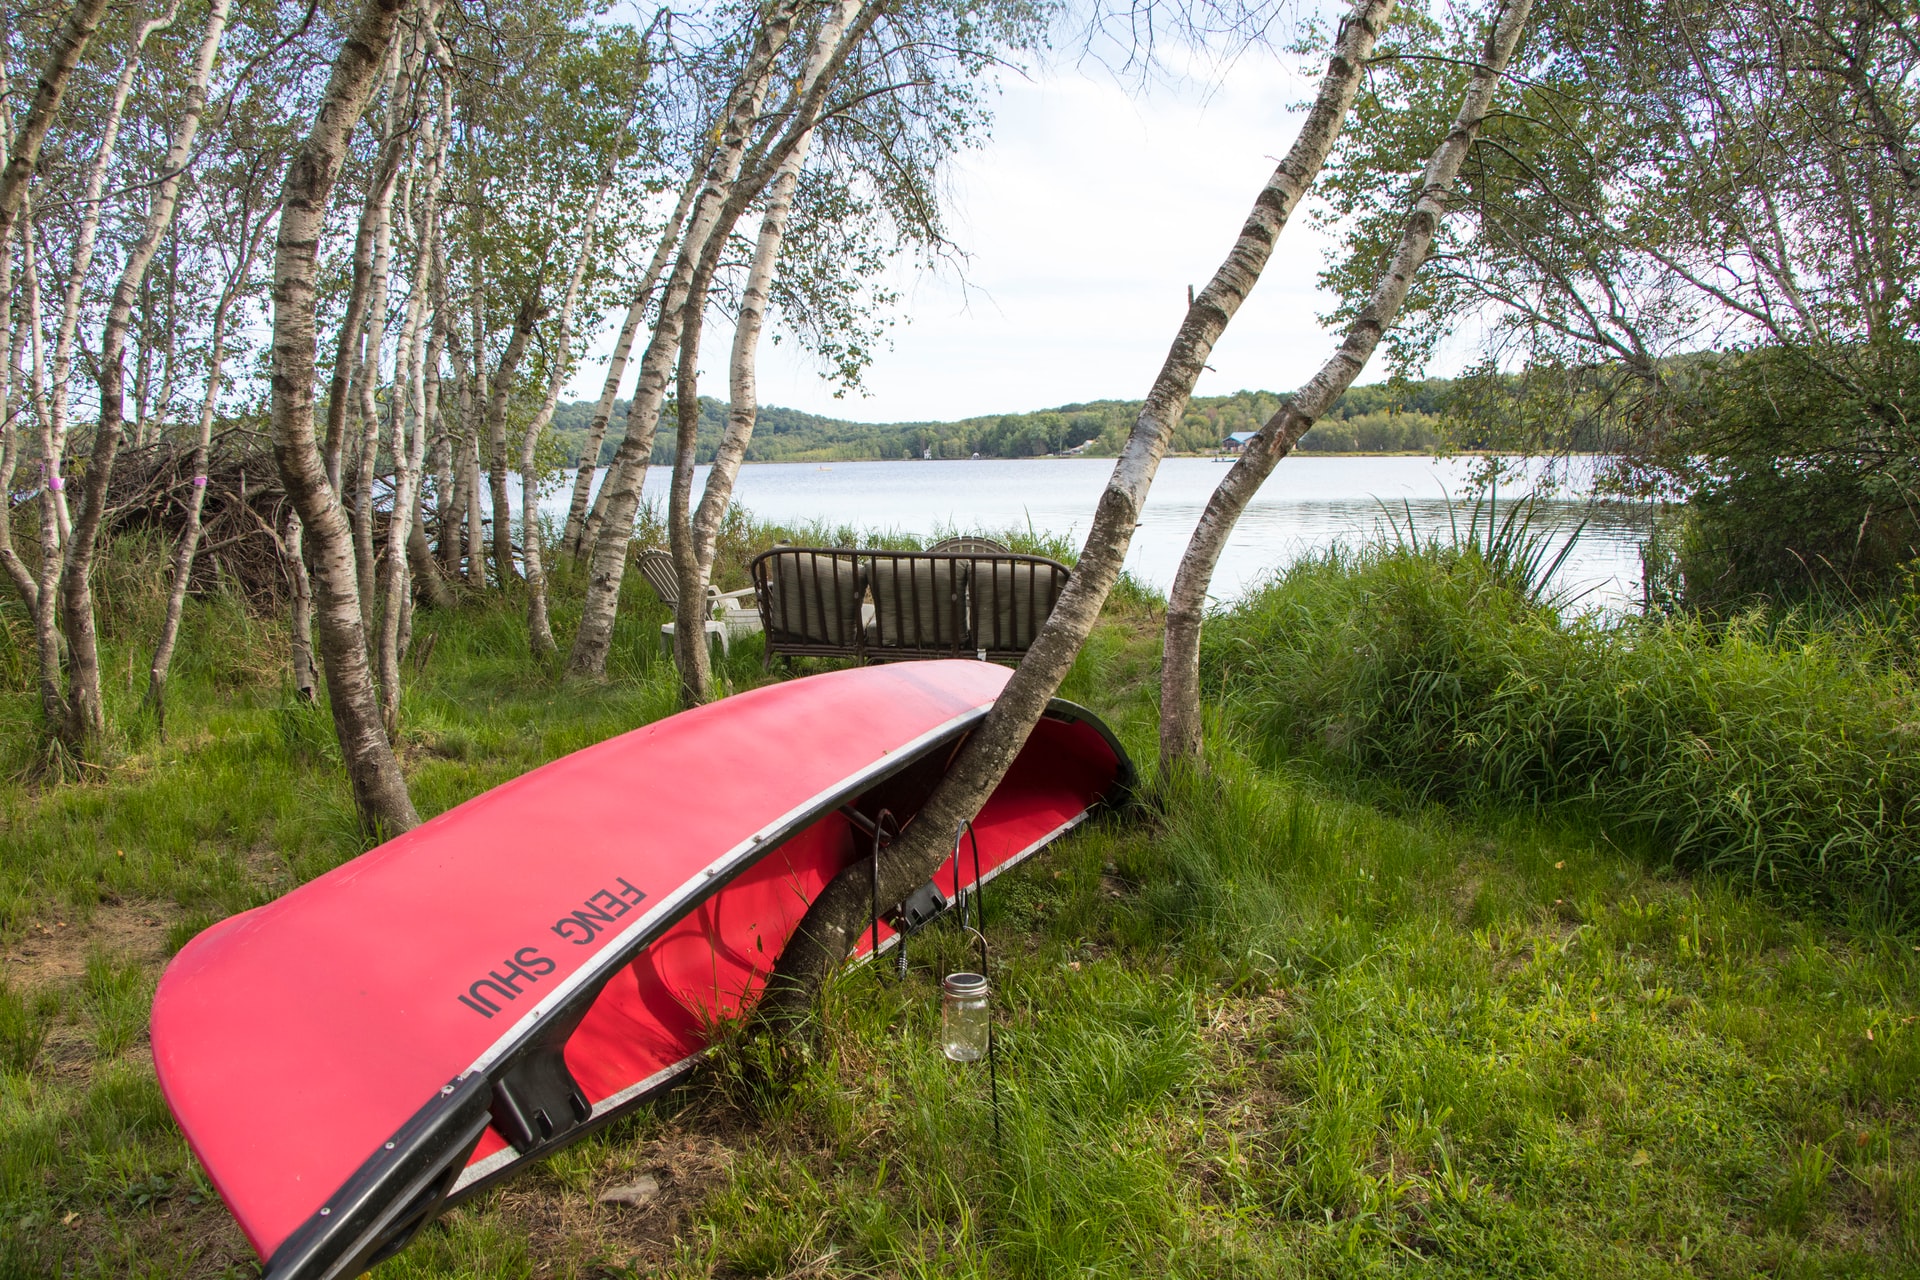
{"x":964,"y":1017}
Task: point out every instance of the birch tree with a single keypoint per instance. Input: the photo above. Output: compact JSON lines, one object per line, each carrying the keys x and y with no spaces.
{"x":84,"y":720}
{"x":843,"y":25}
{"x":1180,"y":717}
{"x":621,"y":490}
{"x":23,"y":154}
{"x":539,"y":626}
{"x":380,"y":792}
{"x":578,"y":534}
{"x":252,"y":227}
{"x":408,"y":410}
{"x":840,"y":912}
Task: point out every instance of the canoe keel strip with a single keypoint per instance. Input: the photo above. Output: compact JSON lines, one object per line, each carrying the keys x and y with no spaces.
{"x":468,"y":998}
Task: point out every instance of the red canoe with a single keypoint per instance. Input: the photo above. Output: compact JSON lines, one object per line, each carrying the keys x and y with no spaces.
{"x":491,"y":985}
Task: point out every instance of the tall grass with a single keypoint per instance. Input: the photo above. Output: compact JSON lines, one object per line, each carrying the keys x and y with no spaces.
{"x":1786,"y":751}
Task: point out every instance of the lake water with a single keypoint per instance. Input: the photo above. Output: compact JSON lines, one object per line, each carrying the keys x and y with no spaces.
{"x":1309,"y":503}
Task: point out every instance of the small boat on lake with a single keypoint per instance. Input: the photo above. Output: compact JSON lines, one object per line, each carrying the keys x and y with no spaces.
{"x":474,"y":995}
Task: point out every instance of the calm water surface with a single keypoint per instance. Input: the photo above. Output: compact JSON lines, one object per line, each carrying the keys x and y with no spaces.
{"x":1308,"y":504}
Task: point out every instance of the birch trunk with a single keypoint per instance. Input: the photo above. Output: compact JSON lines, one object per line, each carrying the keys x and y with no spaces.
{"x":1181,"y":730}
{"x":743,"y":391}
{"x":86,"y":712}
{"x":476,"y":533}
{"x":46,"y":610}
{"x":368,"y":373}
{"x":92,"y":205}
{"x":482,"y":398}
{"x":579,"y":531}
{"x":691,"y":568}
{"x":500,"y":393}
{"x":189,"y":541}
{"x":379,"y":790}
{"x":827,"y":932}
{"x":409,"y":407}
{"x":341,"y":388}
{"x":13,"y":331}
{"x":305,"y":677}
{"x":69,"y":43}
{"x":539,"y":626}
{"x":428,"y":580}
{"x":720,"y":203}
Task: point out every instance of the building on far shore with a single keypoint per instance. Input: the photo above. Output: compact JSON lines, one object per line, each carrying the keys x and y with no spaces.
{"x":1237,"y":441}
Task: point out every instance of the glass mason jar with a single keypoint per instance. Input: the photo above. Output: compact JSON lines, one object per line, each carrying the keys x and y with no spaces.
{"x":963,"y":1016}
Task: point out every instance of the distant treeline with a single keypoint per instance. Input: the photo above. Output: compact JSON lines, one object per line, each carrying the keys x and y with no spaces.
{"x":1380,"y":418}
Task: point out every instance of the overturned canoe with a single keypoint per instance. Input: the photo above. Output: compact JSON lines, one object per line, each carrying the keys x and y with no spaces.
{"x":479,"y":992}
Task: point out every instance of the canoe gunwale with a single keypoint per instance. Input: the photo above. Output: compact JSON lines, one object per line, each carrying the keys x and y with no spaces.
{"x":405,"y":1184}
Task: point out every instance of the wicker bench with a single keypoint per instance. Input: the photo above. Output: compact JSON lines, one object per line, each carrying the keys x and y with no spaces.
{"x":877,"y":606}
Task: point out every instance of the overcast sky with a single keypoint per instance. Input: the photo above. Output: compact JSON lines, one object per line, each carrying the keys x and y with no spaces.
{"x":1085,"y":218}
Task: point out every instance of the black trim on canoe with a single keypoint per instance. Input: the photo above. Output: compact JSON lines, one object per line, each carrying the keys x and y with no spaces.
{"x":411,"y":1179}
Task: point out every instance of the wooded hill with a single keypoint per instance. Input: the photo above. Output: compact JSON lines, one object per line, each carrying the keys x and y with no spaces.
{"x":1378,"y":418}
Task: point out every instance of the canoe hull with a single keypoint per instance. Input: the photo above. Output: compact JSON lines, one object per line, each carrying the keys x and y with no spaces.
{"x":471,"y":997}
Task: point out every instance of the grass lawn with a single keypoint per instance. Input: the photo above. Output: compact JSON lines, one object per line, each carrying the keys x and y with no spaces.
{"x":1280,"y":1023}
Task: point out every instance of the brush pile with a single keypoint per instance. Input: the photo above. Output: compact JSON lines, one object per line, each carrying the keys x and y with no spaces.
{"x":242,"y":521}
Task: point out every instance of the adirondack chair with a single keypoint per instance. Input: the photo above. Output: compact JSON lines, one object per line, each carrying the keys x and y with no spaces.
{"x":729,"y":613}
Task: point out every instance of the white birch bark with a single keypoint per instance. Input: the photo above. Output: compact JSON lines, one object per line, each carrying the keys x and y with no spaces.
{"x":838,"y":32}
{"x":46,"y":610}
{"x":827,"y":932}
{"x":429,"y":582}
{"x":92,"y":204}
{"x":581,"y":529}
{"x":1181,"y":729}
{"x":69,"y":43}
{"x":86,"y":711}
{"x":409,"y":408}
{"x":539,"y":626}
{"x":367,"y":375}
{"x":13,"y":332}
{"x":500,"y":394}
{"x":306,"y":678}
{"x":380,"y":792}
{"x":482,"y":400}
{"x":187,"y":545}
{"x":742,"y":387}
{"x":621,"y":489}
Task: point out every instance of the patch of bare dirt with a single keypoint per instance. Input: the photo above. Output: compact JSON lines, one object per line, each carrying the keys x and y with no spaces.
{"x":176,"y":1234}
{"x":53,"y":951}
{"x":570,"y":1230}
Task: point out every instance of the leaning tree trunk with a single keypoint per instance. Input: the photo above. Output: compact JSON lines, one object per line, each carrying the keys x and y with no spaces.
{"x":86,"y":712}
{"x":833,"y":922}
{"x":189,"y":541}
{"x":844,"y":27}
{"x":379,"y":790}
{"x":579,"y":533}
{"x":620,"y":493}
{"x":1181,"y":730}
{"x":68,"y":44}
